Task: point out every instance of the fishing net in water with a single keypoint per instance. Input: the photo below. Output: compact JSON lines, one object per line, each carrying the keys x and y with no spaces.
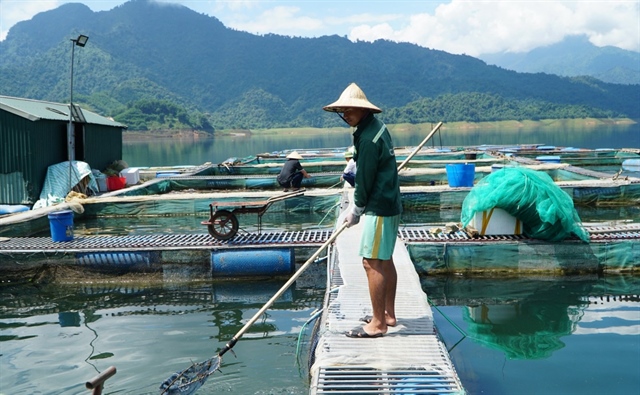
{"x":189,"y":380}
{"x":545,"y":210}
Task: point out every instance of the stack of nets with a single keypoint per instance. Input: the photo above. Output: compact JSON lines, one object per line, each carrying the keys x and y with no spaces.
{"x":545,"y":210}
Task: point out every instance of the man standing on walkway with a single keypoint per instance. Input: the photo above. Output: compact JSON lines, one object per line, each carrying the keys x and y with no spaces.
{"x":377,"y":196}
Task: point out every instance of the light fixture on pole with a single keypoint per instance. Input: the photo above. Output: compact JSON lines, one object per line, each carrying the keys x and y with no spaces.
{"x":81,"y":41}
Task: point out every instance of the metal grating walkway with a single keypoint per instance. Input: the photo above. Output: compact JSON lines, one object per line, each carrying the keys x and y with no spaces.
{"x":298,"y":238}
{"x":162,"y":241}
{"x":408,"y":359}
{"x":422,"y":234}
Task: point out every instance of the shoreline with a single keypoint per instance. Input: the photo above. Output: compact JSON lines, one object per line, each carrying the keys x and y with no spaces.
{"x":394,"y":128}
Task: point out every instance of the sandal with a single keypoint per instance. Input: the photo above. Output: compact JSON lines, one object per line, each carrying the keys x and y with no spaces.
{"x":359,"y":332}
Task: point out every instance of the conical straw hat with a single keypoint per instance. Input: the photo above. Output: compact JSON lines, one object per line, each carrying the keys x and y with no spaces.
{"x":349,"y":152}
{"x":351,"y":97}
{"x":294,"y":155}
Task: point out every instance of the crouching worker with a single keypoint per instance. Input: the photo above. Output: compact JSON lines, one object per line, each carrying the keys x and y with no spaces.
{"x":292,"y":173}
{"x":349,"y":172}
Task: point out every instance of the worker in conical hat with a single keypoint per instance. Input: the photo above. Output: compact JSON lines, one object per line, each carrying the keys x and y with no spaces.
{"x":377,"y":199}
{"x":292,"y":173}
{"x":349,"y":172}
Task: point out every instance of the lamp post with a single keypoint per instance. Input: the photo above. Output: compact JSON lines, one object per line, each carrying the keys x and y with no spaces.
{"x":81,"y":41}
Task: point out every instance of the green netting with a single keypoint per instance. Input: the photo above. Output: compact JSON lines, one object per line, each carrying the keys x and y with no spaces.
{"x":526,"y":330}
{"x":199,"y":206}
{"x":545,"y":210}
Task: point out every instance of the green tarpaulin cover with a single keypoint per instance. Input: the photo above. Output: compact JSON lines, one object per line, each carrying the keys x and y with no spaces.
{"x":545,"y":210}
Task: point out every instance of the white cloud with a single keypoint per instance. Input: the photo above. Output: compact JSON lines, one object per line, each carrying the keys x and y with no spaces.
{"x":473,"y":27}
{"x":281,"y":20}
{"x":13,"y":11}
{"x":612,"y":23}
{"x":480,"y":27}
{"x":233,"y":5}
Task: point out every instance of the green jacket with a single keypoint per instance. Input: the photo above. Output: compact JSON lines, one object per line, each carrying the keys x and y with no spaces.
{"x":377,"y":185}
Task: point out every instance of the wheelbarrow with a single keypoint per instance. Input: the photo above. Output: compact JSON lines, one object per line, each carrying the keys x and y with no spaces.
{"x":223,"y":224}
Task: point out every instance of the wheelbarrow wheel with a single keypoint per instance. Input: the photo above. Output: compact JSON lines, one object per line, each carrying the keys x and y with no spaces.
{"x":224,"y":225}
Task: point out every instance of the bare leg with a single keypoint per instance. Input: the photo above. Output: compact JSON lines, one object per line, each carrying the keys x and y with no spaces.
{"x":391,"y":284}
{"x":377,"y":292}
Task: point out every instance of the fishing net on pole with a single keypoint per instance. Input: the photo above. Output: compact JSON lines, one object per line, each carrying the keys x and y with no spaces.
{"x":546,"y":211}
{"x":189,"y":380}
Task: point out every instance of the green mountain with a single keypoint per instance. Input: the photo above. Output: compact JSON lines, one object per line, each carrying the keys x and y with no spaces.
{"x":143,"y":54}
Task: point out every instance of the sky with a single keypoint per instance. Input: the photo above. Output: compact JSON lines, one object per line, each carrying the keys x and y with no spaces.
{"x":471,"y":27}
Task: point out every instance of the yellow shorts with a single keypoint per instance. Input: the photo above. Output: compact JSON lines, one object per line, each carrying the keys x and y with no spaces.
{"x":379,"y":236}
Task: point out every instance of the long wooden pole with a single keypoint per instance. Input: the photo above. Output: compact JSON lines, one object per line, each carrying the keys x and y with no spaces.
{"x":293,"y":278}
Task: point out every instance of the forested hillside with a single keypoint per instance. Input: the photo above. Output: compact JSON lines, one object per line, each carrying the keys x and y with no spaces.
{"x":189,"y":66}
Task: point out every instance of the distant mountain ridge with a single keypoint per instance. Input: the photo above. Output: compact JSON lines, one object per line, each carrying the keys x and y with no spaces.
{"x":574,"y":56}
{"x":145,"y":51}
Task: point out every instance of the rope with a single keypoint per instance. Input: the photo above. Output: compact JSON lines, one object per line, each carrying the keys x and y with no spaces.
{"x":464,"y":335}
{"x":447,"y":318}
{"x":327,"y":214}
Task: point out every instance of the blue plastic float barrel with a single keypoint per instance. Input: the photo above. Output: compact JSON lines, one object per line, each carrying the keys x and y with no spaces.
{"x":115,"y":260}
{"x":548,"y":158}
{"x":631,"y":165}
{"x":61,"y":225}
{"x":252,"y":262}
{"x":165,"y":174}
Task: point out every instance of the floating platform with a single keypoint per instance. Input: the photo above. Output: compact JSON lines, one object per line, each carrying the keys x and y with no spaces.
{"x":584,"y":186}
{"x":611,"y":249}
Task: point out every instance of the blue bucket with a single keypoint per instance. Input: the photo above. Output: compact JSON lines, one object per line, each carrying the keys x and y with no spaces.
{"x":252,"y":262}
{"x":61,"y":224}
{"x":461,"y":175}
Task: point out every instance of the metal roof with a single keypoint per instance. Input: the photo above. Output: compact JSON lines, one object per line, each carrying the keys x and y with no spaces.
{"x":35,"y":110}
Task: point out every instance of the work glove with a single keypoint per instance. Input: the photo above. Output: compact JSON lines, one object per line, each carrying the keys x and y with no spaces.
{"x":354,"y":216}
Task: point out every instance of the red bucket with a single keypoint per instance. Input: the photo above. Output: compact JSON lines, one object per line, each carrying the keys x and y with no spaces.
{"x":115,"y":183}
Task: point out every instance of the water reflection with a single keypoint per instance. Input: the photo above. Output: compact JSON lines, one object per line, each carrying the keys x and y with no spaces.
{"x":526,"y":318}
{"x":53,"y":337}
{"x":530,"y":327}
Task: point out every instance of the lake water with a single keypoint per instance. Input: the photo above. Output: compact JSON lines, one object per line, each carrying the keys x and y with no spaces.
{"x":556,"y":335}
{"x":533,"y":335}
{"x":169,"y":152}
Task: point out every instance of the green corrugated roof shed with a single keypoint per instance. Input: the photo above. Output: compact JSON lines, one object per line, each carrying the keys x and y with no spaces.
{"x":33,"y":136}
{"x":35,"y":110}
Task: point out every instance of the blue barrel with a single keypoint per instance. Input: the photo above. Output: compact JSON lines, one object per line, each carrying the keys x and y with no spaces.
{"x":252,"y":262}
{"x":631,"y":165}
{"x":115,"y":260}
{"x":165,"y":174}
{"x":422,"y":384}
{"x":461,"y":175}
{"x":61,"y":224}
